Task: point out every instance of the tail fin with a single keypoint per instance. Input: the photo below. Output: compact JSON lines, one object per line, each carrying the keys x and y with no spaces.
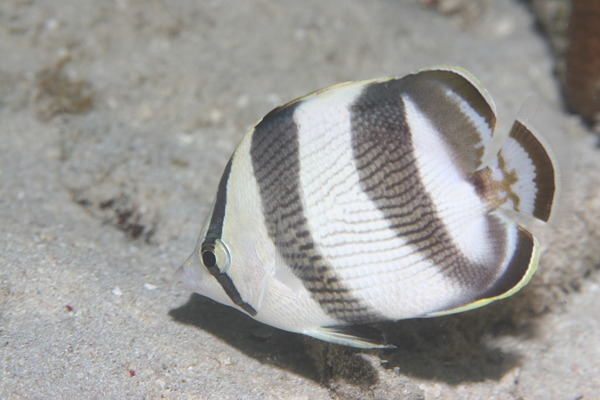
{"x":524,"y":175}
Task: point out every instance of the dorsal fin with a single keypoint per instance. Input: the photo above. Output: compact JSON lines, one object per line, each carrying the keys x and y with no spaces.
{"x":458,"y":107}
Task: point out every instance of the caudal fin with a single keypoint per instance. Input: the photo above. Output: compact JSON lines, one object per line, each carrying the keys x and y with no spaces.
{"x":524,"y":175}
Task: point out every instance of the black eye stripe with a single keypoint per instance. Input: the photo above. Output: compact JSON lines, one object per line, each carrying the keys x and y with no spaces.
{"x":209,"y":259}
{"x":233,"y":293}
{"x":215,"y":227}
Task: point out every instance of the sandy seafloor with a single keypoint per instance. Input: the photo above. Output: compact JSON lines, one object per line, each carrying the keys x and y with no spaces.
{"x":116,"y":120}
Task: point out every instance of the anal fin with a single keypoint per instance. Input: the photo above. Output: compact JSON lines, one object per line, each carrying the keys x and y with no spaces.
{"x":361,"y":336}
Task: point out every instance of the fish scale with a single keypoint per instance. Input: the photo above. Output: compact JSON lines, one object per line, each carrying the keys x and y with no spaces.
{"x":285,"y":216}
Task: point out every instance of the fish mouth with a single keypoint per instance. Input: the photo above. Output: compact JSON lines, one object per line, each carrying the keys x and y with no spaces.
{"x":182,"y":275}
{"x":178,"y":276}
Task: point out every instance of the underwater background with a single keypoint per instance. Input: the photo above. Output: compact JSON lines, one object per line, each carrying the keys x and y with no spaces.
{"x":116,"y":120}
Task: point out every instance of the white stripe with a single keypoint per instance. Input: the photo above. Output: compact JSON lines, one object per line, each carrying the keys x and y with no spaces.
{"x":260,"y":274}
{"x":518,"y":160}
{"x":349,"y":230}
{"x":490,"y":141}
{"x":458,"y":205}
{"x":484,"y":131}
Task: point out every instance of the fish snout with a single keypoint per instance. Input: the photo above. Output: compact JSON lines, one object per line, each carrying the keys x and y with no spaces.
{"x":184,"y":276}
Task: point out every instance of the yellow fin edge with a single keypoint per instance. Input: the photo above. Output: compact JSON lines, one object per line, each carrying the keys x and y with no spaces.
{"x":482,"y":302}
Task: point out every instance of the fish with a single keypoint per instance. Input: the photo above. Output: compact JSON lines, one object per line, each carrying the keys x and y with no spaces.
{"x":374,"y":201}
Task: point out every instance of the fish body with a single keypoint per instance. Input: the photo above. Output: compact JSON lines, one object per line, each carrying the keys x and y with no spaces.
{"x":375,"y":201}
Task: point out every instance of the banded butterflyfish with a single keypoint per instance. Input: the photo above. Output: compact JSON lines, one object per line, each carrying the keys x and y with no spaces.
{"x":375,"y":201}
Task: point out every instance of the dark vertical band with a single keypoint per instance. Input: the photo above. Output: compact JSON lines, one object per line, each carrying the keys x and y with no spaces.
{"x":275,"y":159}
{"x":215,"y":227}
{"x":517,"y":267}
{"x":389,"y":175}
{"x":430,"y":91}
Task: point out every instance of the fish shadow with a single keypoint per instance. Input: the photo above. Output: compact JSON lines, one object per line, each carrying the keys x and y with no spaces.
{"x":262,"y":342}
{"x":454,"y":349}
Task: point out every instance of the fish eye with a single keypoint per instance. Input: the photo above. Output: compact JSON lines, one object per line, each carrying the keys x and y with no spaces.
{"x":215,"y":256}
